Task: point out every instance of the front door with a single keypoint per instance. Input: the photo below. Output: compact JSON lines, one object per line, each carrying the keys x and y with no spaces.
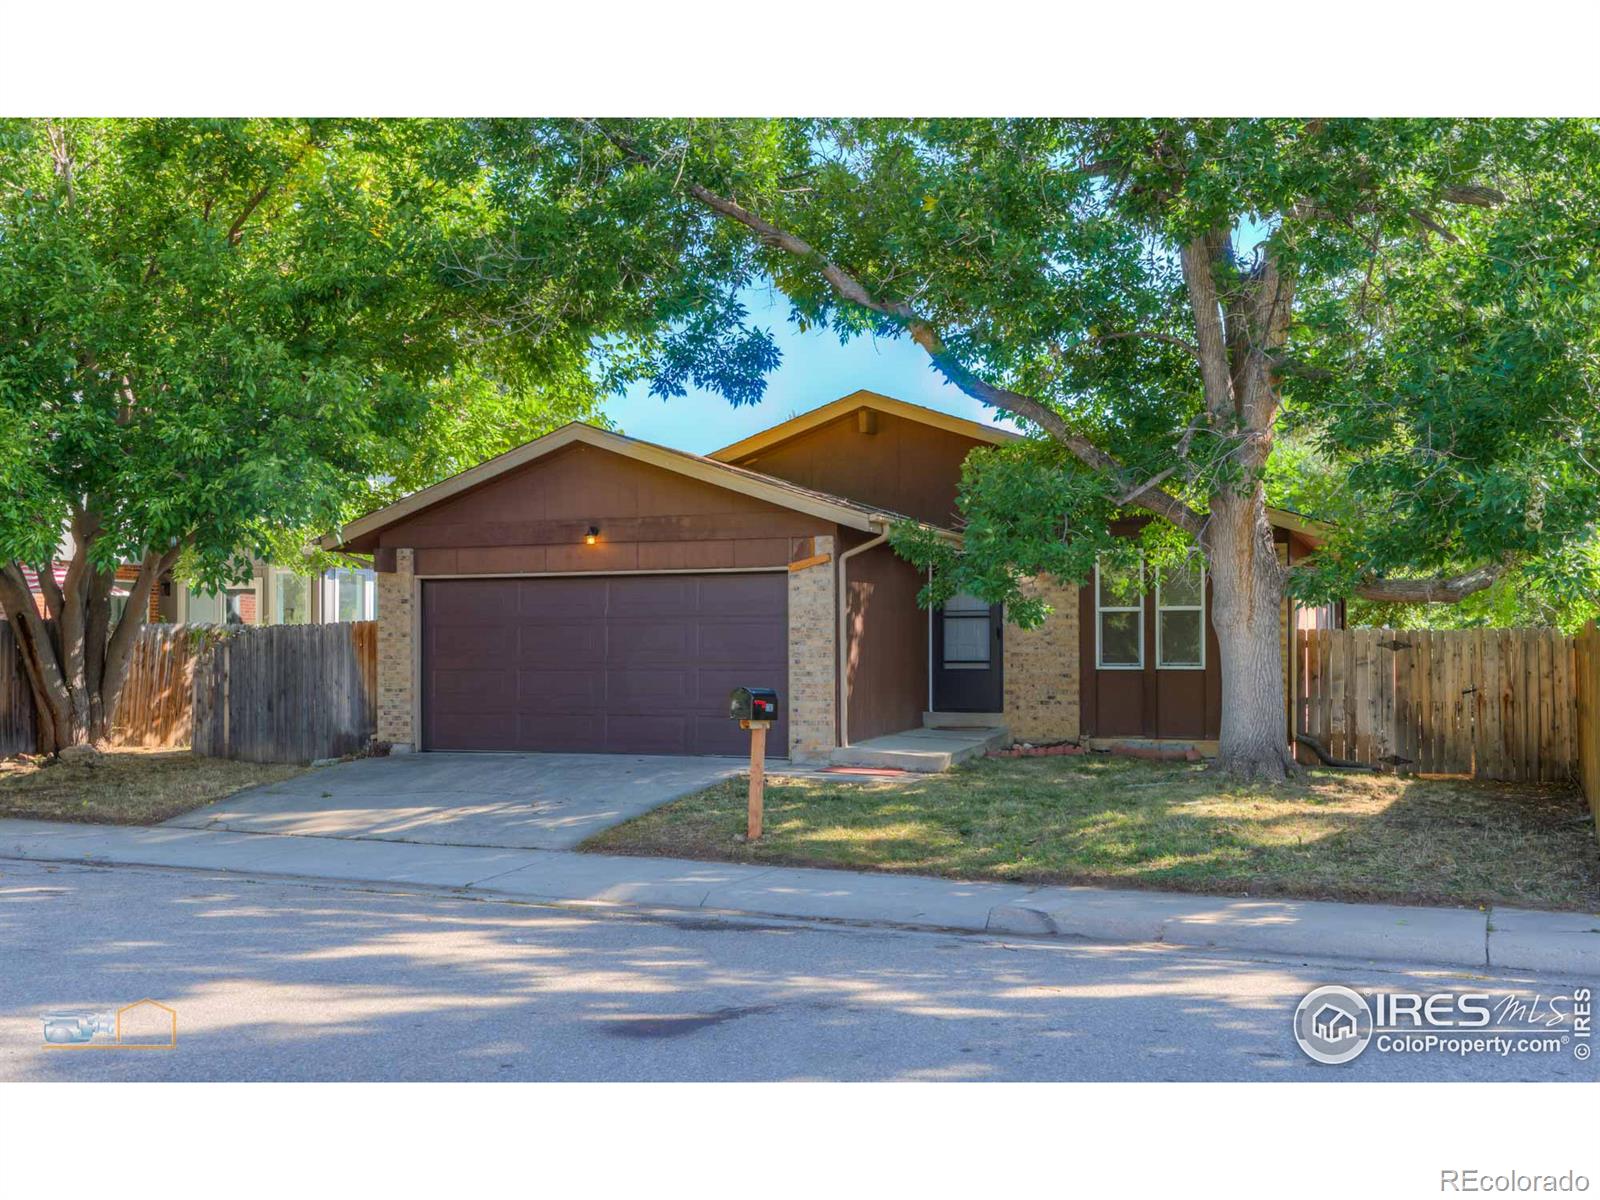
{"x":967,"y":673}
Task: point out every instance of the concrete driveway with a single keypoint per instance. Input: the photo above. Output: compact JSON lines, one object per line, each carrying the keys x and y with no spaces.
{"x":521,"y":801}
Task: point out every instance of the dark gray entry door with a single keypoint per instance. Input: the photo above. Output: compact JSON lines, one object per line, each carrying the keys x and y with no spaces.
{"x":636,"y":664}
{"x":968,"y":673}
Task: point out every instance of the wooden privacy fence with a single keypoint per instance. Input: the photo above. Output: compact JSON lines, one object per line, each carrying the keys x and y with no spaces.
{"x":1586,"y":666}
{"x":1496,"y":703}
{"x":157,"y":705}
{"x":287,"y":693}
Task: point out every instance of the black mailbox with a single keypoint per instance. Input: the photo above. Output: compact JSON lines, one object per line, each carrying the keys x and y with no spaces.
{"x":753,"y":704}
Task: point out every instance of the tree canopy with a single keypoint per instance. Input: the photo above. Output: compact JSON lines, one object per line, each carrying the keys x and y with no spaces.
{"x":219,"y":336}
{"x":1160,"y":301}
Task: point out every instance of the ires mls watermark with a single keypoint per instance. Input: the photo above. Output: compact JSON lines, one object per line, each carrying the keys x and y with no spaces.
{"x":1335,"y":1024}
{"x":143,"y":1025}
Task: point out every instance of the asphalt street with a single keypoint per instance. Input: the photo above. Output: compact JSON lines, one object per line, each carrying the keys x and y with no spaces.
{"x":275,"y":980}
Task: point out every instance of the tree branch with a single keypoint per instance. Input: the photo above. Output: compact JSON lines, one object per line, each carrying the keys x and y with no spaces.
{"x":236,"y":230}
{"x":1156,"y":335}
{"x":1441,"y":590}
{"x":1210,"y":338}
{"x":1475,"y":194}
{"x":925,"y":335}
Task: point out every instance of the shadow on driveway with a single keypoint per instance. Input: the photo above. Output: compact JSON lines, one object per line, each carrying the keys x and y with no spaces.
{"x":518,"y":801}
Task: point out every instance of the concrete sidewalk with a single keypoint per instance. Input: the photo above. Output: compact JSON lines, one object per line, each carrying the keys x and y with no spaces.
{"x":1565,"y":944}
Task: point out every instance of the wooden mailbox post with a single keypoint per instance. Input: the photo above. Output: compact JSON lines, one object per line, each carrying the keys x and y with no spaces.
{"x":756,"y":709}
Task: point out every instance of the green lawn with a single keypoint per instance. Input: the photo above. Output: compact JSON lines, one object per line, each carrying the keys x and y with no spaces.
{"x":1131,"y":823}
{"x":126,"y":787}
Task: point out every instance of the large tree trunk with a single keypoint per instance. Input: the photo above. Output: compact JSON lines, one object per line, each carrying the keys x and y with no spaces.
{"x":77,"y":667}
{"x":1246,"y":595}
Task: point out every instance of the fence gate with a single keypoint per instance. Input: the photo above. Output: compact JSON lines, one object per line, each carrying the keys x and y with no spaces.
{"x":1496,"y":703}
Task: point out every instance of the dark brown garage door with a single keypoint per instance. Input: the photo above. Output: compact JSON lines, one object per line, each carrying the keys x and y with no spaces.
{"x":638,"y":664}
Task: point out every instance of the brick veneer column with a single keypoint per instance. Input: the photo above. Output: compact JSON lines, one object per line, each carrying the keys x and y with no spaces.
{"x":813,"y":657}
{"x":1041,"y":669}
{"x":397,"y":685}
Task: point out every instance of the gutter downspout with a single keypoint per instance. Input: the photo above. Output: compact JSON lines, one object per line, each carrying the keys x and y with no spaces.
{"x":844,"y":629}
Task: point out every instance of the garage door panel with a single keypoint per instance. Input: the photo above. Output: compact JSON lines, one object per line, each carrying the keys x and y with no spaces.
{"x":462,"y":731}
{"x":712,"y":684}
{"x":553,"y":599}
{"x":739,"y":641}
{"x":639,"y":642}
{"x":653,"y":596}
{"x":742,"y":595}
{"x":626,"y":664}
{"x":559,"y":691}
{"x":560,"y":733}
{"x":718,"y":735}
{"x":661,"y":733}
{"x":473,"y":645}
{"x":559,"y":643}
{"x":474,"y":691}
{"x":644,"y":692}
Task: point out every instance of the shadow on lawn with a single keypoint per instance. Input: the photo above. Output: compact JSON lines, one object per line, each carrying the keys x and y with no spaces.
{"x":1129,"y":823}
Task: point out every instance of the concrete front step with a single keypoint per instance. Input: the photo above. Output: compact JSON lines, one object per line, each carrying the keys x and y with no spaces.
{"x":962,"y":720}
{"x":924,"y":750}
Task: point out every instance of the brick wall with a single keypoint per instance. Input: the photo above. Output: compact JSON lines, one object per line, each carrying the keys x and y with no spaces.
{"x":813,"y":657}
{"x":1041,"y":669}
{"x":396,"y":661}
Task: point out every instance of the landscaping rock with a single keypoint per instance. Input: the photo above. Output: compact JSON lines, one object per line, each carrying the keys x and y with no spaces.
{"x":84,"y":756}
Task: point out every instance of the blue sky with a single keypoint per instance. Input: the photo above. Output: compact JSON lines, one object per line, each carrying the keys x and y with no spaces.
{"x":815,"y":370}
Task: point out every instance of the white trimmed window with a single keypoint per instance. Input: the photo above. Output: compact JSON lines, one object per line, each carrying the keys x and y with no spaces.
{"x":291,"y":598}
{"x":349,"y":595}
{"x":1181,"y":617}
{"x":1119,"y":617}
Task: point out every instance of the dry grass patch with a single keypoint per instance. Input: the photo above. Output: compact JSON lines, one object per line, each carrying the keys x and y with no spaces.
{"x":1131,"y":823}
{"x":127,"y":787}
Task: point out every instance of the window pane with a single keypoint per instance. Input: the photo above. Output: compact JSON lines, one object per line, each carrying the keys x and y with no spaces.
{"x":1183,"y":584}
{"x":1180,"y":638}
{"x":961,"y":602}
{"x":966,"y":641}
{"x":241,"y":606}
{"x":1119,"y":639}
{"x":294,"y":598}
{"x":205,"y":608}
{"x":1120,"y":587}
{"x":349,"y":607}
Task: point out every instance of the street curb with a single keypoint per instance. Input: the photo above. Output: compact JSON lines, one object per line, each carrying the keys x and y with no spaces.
{"x":1504,"y":940}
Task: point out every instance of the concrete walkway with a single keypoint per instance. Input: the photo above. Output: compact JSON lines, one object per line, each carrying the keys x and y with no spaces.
{"x":1566,"y":944}
{"x":924,"y":751}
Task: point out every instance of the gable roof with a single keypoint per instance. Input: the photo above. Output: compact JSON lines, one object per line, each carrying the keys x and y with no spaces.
{"x":846,"y":405}
{"x":773,"y":490}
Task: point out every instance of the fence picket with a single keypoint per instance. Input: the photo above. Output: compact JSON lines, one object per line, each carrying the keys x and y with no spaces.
{"x":1516,"y":704}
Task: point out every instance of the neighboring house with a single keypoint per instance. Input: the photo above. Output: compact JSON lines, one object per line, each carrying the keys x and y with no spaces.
{"x":592,"y":592}
{"x":127,"y":575}
{"x":272,"y":595}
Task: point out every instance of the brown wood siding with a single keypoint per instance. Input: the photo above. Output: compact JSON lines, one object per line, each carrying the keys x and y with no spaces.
{"x":887,"y":665}
{"x":533,"y":521}
{"x":906,"y":466}
{"x":1149,"y":702}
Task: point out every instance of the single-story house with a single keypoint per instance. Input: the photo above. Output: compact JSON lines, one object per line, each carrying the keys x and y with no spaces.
{"x":593,"y":592}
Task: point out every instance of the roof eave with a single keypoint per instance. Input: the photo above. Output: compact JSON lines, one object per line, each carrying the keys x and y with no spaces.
{"x":861,"y":398}
{"x":717,"y":474}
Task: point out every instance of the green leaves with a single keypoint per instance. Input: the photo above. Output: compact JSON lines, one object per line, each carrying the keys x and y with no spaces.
{"x":229,"y":334}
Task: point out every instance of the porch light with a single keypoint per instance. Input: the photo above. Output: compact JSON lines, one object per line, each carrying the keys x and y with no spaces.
{"x":592,"y":536}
